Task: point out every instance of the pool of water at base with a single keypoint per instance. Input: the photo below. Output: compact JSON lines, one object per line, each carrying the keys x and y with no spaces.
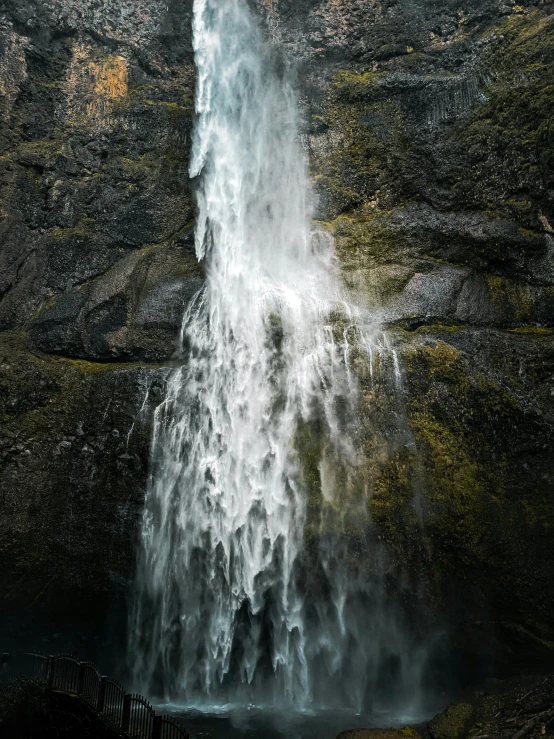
{"x":260,"y":723}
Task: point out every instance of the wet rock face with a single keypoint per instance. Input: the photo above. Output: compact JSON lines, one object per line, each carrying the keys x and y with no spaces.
{"x":370,"y":30}
{"x":95,"y":142}
{"x":97,"y":265}
{"x":74,"y":442}
{"x":429,"y":137}
{"x":428,"y":130}
{"x":133,"y":311}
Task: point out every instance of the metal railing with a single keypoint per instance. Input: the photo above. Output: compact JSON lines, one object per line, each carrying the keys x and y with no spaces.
{"x":129,"y":713}
{"x":139,"y":716}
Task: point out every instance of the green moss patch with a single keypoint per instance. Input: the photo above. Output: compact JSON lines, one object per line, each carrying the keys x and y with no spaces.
{"x":533,"y":331}
{"x":84,"y":228}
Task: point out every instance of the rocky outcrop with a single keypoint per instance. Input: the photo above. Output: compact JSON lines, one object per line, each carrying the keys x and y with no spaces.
{"x":97,"y":265}
{"x":95,"y":145}
{"x":452,"y":723}
{"x":74,"y":443}
{"x":133,"y":311}
{"x":429,"y":134}
{"x":431,"y":168}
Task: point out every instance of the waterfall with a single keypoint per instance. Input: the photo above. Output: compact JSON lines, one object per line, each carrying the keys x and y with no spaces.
{"x":249,"y":589}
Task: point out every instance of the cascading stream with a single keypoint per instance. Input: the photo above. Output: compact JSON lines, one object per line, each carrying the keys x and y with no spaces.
{"x":236,"y":600}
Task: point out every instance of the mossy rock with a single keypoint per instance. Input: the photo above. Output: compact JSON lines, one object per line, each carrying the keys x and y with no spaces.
{"x":407,"y":731}
{"x":72,"y":446}
{"x":506,"y":135}
{"x":462,"y":476}
{"x":452,"y":723}
{"x":84,"y":228}
{"x":349,"y":167}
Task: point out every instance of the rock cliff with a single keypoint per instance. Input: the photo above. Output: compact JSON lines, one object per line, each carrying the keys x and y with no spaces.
{"x":430,"y":139}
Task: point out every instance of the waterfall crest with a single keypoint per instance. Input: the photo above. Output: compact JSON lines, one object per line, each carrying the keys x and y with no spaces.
{"x":236,"y":600}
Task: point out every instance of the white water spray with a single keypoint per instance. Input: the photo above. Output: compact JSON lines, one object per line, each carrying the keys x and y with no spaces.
{"x":236,"y":600}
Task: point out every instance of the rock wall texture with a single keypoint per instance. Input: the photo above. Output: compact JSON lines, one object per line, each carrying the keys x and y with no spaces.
{"x":430,"y":137}
{"x":96,"y":267}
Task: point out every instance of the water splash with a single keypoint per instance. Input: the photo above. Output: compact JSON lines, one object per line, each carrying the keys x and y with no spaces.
{"x":249,"y":586}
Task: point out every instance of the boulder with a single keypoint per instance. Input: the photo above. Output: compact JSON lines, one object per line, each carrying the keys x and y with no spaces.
{"x":453,"y":723}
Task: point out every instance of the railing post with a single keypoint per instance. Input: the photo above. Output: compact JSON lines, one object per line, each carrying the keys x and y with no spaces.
{"x":126,"y":715}
{"x":102,"y":695}
{"x":39,"y":667}
{"x":50,"y":673}
{"x":157,"y":727}
{"x":81,"y":679}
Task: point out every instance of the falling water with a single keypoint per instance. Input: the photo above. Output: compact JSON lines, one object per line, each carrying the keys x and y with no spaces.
{"x":254,"y":583}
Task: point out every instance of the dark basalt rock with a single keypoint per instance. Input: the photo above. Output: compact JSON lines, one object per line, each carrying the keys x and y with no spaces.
{"x":134,"y":311}
{"x":428,"y":127}
{"x":74,"y":444}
